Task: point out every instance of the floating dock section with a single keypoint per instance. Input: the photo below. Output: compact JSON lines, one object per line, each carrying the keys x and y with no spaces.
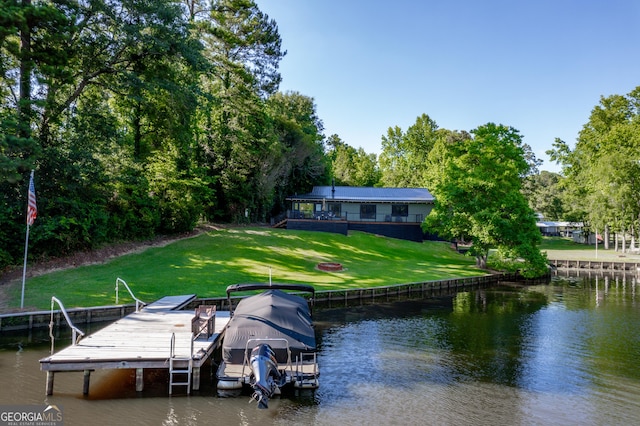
{"x":159,"y":336}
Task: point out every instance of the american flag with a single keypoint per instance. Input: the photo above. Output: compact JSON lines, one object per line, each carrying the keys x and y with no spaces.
{"x":32,"y":210}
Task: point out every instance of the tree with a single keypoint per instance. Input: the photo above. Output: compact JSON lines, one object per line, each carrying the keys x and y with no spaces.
{"x":602,"y":170}
{"x":404,"y":155}
{"x":342,"y":160}
{"x":545,"y":194}
{"x":476,"y":181}
{"x":244,"y":48}
{"x":27,"y":45}
{"x":80,"y":81}
{"x":297,"y":160}
{"x":350,"y":166}
{"x":366,"y":169}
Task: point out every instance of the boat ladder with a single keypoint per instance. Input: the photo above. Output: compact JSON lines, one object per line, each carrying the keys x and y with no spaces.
{"x":306,"y":372}
{"x":179,"y":367}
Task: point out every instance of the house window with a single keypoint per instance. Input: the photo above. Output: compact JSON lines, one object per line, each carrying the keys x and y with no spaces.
{"x":400,"y":210}
{"x":334,"y":209}
{"x":367,"y":211}
{"x":304,"y":210}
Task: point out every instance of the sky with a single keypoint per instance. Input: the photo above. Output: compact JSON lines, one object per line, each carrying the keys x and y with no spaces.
{"x":539,"y":66}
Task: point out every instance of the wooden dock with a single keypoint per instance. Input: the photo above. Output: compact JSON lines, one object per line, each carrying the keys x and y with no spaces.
{"x":143,"y":340}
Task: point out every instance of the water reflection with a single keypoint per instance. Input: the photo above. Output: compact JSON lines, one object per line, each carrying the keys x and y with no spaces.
{"x":560,"y":353}
{"x":529,"y":355}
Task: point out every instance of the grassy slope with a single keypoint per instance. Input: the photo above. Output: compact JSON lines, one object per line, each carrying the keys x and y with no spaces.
{"x":206,"y":264}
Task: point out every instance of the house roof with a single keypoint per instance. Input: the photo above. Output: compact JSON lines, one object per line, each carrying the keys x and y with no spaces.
{"x":366,"y":194}
{"x":544,"y":224}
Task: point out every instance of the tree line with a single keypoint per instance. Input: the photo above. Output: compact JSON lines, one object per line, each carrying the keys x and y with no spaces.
{"x":600,"y":180}
{"x":142,"y":117}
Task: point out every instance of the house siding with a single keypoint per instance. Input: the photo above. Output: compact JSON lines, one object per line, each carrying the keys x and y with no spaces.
{"x":336,"y":227}
{"x":409,"y":231}
{"x":404,"y":231}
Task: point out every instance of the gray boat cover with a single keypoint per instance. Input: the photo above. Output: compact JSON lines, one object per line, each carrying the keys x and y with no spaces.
{"x":273,"y":314}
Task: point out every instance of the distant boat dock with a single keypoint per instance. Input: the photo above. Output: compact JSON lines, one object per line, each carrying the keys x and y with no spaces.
{"x":631,"y":266}
{"x":159,"y":336}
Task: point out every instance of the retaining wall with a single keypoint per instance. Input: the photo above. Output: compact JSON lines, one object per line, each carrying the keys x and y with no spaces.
{"x":595,"y":264}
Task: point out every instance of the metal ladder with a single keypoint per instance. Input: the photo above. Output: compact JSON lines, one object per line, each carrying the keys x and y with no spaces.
{"x":185,"y":366}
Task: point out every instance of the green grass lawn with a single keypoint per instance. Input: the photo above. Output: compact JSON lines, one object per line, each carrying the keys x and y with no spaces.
{"x":207,"y":264}
{"x":565,"y":249}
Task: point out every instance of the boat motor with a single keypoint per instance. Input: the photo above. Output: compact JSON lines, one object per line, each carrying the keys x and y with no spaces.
{"x":265,"y":376}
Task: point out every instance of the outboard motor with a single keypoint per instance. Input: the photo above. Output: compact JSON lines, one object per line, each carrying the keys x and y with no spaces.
{"x":266,"y":377}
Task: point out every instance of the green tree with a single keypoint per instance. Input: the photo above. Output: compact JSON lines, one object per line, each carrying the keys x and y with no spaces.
{"x":403,"y":159}
{"x":367,"y":172}
{"x":27,"y":46}
{"x":342,"y":161}
{"x":601,"y":171}
{"x":244,"y":47}
{"x":350,"y":166}
{"x":476,"y":181}
{"x":92,"y":64}
{"x":297,"y":160}
{"x":545,"y":194}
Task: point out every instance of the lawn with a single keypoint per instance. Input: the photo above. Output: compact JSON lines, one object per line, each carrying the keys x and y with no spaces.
{"x":207,"y":264}
{"x":565,"y":249}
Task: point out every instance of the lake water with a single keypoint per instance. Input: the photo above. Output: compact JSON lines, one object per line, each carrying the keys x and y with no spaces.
{"x":566,"y":353}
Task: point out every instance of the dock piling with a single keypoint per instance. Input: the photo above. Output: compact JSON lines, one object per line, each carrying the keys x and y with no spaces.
{"x":50,"y":376}
{"x":85,"y":387}
{"x":139,"y":379}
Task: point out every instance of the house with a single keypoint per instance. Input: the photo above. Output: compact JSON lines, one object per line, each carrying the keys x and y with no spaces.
{"x":559,"y":229}
{"x":584,"y":237}
{"x":392,"y":212}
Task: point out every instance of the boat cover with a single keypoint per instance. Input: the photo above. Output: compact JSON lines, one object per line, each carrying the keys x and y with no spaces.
{"x":273,"y":314}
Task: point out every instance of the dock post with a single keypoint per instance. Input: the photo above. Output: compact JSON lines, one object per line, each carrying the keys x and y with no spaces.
{"x":196,"y":378}
{"x":85,"y":386}
{"x":139,"y":379}
{"x":50,"y":375}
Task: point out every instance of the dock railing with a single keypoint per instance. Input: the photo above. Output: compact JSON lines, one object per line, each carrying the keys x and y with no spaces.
{"x":74,"y":330}
{"x":139,"y":303}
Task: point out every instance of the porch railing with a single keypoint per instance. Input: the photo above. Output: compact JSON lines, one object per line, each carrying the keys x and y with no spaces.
{"x":354,"y":217}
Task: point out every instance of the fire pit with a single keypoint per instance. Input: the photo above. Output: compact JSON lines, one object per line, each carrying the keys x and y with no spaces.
{"x":330,"y":266}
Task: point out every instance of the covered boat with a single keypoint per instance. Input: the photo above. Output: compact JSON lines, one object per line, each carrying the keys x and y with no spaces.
{"x":269,"y":343}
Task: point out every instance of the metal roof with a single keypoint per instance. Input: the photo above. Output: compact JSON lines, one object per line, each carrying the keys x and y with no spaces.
{"x":368,"y":194}
{"x":543,"y":224}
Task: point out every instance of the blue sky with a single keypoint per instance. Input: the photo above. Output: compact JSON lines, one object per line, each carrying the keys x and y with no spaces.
{"x":539,"y":66}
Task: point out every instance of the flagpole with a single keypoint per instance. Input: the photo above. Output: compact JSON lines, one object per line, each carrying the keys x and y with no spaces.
{"x":24,"y":268}
{"x":32,"y":211}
